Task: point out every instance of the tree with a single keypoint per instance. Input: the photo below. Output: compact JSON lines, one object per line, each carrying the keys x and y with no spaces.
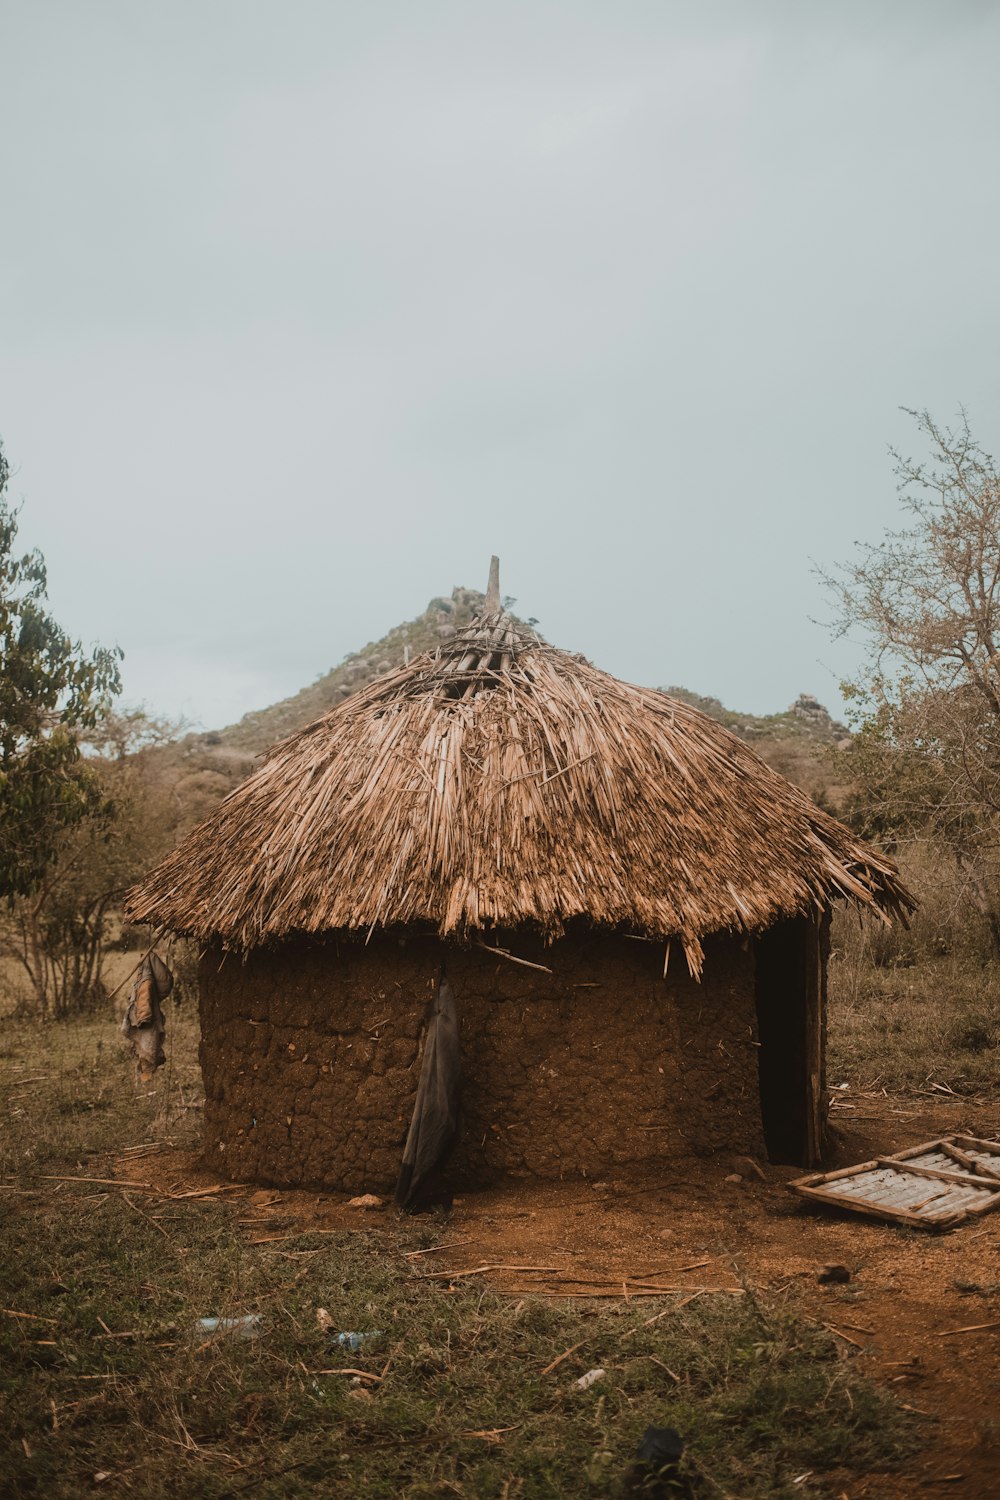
{"x":926,"y":759}
{"x":51,"y":690}
{"x":60,"y":933}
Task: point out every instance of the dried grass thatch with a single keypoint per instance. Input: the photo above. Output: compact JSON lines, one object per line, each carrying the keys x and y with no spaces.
{"x":499,"y":782}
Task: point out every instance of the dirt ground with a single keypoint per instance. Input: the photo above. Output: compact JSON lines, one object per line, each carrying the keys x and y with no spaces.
{"x":903,"y":1314}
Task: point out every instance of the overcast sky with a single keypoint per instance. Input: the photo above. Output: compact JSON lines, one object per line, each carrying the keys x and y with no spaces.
{"x":308,"y":307}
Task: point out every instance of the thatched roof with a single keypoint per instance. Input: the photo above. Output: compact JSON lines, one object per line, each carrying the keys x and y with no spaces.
{"x":498,"y":782}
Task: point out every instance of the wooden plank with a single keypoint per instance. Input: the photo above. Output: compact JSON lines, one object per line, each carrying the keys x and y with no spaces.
{"x":983,"y":1162}
{"x":872,"y":1210}
{"x":984,"y":1170}
{"x":935,"y":1202}
{"x":908,"y":1201}
{"x":934,"y":1145}
{"x":870,"y":1205}
{"x":824,"y":934}
{"x":981,"y":1207}
{"x":968,"y":1196}
{"x":935,"y":1159}
{"x":864,"y":1166}
{"x":959,"y":1205}
{"x":863,"y":1187}
{"x":993,"y":1147}
{"x":922,"y":1195}
{"x":896,"y":1189}
{"x":918,"y":1194}
{"x":903,"y":1189}
{"x":813,"y":996}
{"x":890,"y":1187}
{"x":963,"y":1177}
{"x":907,"y":1189}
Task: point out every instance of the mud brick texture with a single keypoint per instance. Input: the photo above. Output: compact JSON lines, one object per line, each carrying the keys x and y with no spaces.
{"x":311,"y":1054}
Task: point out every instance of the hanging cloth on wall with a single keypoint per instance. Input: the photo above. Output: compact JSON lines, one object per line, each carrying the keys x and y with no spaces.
{"x":143,"y":1024}
{"x":434,"y":1124}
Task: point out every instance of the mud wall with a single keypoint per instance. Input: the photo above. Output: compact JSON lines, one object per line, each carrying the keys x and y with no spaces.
{"x":311,"y":1056}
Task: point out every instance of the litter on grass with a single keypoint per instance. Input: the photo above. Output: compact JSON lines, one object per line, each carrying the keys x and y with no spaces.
{"x":353,"y":1341}
{"x":248,"y":1327}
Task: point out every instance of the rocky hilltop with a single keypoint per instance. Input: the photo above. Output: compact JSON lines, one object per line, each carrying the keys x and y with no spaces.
{"x":806,"y":718}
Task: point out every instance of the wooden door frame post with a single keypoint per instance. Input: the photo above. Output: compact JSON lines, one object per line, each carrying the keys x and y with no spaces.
{"x":815,"y":955}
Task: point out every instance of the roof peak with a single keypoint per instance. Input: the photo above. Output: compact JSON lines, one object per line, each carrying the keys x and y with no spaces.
{"x":492,"y":605}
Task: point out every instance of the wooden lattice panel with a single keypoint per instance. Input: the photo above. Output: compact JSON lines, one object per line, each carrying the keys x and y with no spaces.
{"x":932,"y":1186}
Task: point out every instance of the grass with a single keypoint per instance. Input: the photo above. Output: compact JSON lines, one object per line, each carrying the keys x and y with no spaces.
{"x":917,"y":1009}
{"x":911,"y":1021}
{"x":109,"y":1383}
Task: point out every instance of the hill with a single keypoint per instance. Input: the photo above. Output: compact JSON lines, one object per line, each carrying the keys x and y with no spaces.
{"x":203,"y":767}
{"x":256,"y":731}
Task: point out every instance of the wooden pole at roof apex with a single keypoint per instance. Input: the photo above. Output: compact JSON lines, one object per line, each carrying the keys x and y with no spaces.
{"x":492,"y":606}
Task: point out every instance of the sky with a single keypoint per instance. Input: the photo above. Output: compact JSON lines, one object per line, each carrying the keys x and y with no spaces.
{"x":306,"y":308}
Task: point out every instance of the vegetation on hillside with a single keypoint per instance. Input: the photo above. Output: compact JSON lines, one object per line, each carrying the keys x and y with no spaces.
{"x":255,"y":732}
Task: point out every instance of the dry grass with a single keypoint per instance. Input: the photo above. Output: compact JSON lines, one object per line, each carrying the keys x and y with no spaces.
{"x":931,"y":1026}
{"x":917,"y":1009}
{"x":109,"y":1385}
{"x":500,"y":782}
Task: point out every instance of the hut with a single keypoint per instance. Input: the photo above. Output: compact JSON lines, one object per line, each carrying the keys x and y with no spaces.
{"x":632,"y":906}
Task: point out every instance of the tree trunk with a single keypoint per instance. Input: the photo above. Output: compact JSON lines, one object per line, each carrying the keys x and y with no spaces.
{"x":37,"y":966}
{"x":982,"y":901}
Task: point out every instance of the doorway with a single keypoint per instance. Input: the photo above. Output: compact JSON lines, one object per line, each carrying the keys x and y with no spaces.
{"x":790,"y":985}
